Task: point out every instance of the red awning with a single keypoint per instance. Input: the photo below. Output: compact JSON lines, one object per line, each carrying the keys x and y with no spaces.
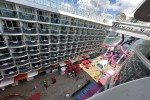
{"x":20,"y":77}
{"x":87,"y":66}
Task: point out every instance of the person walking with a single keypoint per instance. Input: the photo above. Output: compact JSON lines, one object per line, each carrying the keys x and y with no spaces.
{"x":45,"y":84}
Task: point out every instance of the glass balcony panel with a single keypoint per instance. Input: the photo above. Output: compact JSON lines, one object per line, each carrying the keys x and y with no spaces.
{"x":32,"y":42}
{"x":22,"y":62}
{"x":7,"y":65}
{"x":60,"y":59}
{"x":24,"y":69}
{"x":4,"y":56}
{"x":15,"y":43}
{"x":36,"y":65}
{"x":11,"y":74}
{"x":29,"y":30}
{"x":43,"y":18}
{"x":44,"y":50}
{"x":35,"y":59}
{"x":55,"y":20}
{"x":43,"y":31}
{"x":53,"y":54}
{"x":8,"y":13}
{"x":33,"y":51}
{"x":18,"y":54}
{"x":2,"y":44}
{"x":44,"y":41}
{"x":55,"y":31}
{"x":53,"y":61}
{"x":11,"y":30}
{"x":27,"y":16}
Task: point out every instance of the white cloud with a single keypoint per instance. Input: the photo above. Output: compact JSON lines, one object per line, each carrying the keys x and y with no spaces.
{"x":92,"y":5}
{"x":125,"y":6}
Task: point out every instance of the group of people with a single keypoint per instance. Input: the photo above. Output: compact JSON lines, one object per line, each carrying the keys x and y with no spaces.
{"x":45,"y":82}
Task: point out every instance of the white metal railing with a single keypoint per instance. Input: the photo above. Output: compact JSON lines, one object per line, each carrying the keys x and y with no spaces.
{"x":61,"y":6}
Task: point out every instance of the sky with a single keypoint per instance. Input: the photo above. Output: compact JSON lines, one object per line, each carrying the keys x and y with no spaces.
{"x":108,"y":7}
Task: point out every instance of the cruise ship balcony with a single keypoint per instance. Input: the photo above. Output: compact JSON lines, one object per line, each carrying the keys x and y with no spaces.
{"x":44,"y":31}
{"x":18,"y":52}
{"x":76,"y":38}
{"x":5,"y":64}
{"x":70,"y":38}
{"x":21,"y":61}
{"x":33,"y":52}
{"x":64,"y":21}
{"x":11,"y":30}
{"x":53,"y":54}
{"x":45,"y":56}
{"x":54,"y":39}
{"x":68,"y":51}
{"x":44,"y":49}
{"x":32,"y":42}
{"x":4,"y":55}
{"x":34,"y":58}
{"x":55,"y":31}
{"x":29,"y":30}
{"x":44,"y":40}
{"x":2,"y":44}
{"x":61,"y":53}
{"x":26,"y":16}
{"x":53,"y":47}
{"x":53,"y":61}
{"x":69,"y":45}
{"x":43,"y":18}
{"x":64,"y":32}
{"x":8,"y":73}
{"x":36,"y":65}
{"x":45,"y":63}
{"x":24,"y":69}
{"x":60,"y":59}
{"x":55,"y":20}
{"x":73,"y":51}
{"x":8,"y":13}
{"x":62,"y":38}
{"x":71,"y":32}
{"x":62,"y":47}
{"x":15,"y":43}
{"x":67,"y":56}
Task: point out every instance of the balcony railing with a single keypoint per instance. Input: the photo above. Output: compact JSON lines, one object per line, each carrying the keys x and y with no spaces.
{"x":15,"y":43}
{"x":19,"y":54}
{"x":36,"y":66}
{"x":65,"y":22}
{"x":61,"y":53}
{"x":29,"y":30}
{"x":55,"y":20}
{"x":44,"y":50}
{"x":11,"y":74}
{"x":43,"y":31}
{"x":11,"y":30}
{"x":7,"y":65}
{"x":32,"y":42}
{"x":44,"y":41}
{"x":60,"y":59}
{"x":53,"y":61}
{"x":24,"y":70}
{"x":64,"y":32}
{"x":43,"y":18}
{"x":53,"y":48}
{"x":55,"y":31}
{"x":26,"y":16}
{"x":8,"y":13}
{"x":2,"y":44}
{"x":72,"y":32}
{"x":33,"y":51}
{"x":45,"y":57}
{"x":36,"y":59}
{"x":4,"y":56}
{"x":22,"y":62}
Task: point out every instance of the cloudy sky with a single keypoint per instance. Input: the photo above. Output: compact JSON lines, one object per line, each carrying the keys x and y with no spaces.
{"x":111,"y":7}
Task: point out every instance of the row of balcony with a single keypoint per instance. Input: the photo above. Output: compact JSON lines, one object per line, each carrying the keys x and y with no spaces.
{"x":46,"y":31}
{"x":54,"y":51}
{"x":9,"y":62}
{"x":26,"y":66}
{"x":47,"y":19}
